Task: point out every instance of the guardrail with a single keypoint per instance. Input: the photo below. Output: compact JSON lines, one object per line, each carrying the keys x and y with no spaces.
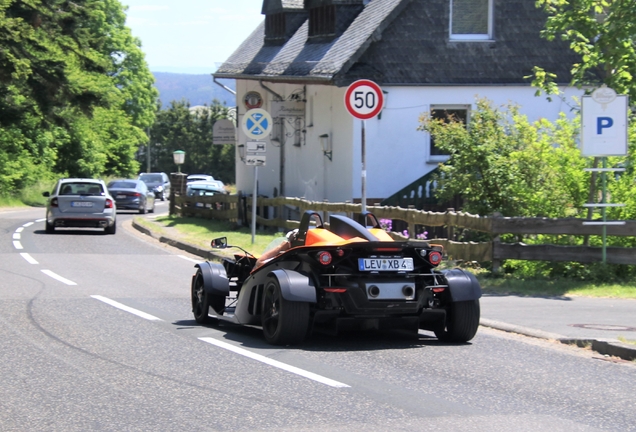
{"x":238,"y":209}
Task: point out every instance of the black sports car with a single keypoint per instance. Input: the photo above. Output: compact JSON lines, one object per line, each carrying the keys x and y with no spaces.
{"x":351,"y":275}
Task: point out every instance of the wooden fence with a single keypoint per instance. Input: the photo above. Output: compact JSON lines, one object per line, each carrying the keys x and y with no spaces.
{"x":237,"y":208}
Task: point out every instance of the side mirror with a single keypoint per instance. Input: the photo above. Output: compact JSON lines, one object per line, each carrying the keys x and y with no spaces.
{"x":46,"y":194}
{"x":219,"y":243}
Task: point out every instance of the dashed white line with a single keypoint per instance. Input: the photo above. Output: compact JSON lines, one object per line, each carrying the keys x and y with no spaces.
{"x":16,"y":236}
{"x":19,"y":229}
{"x":29,"y":258}
{"x":189,"y":259}
{"x":126,"y":308}
{"x":312,"y":376}
{"x":37,"y":220}
{"x":17,"y":244}
{"x":28,"y":224}
{"x":58,"y":277}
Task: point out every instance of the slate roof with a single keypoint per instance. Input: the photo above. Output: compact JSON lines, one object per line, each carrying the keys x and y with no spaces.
{"x":405,"y":42}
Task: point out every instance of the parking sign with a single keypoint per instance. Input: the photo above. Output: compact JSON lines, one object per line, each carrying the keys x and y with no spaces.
{"x":604,"y":123}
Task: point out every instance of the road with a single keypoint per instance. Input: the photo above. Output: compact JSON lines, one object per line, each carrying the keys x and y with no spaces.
{"x":96,"y":333}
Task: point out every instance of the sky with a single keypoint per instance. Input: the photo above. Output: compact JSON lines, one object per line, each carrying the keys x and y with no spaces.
{"x":191,"y":36}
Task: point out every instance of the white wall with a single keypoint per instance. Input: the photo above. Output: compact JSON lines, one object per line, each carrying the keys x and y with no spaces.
{"x":396,"y":152}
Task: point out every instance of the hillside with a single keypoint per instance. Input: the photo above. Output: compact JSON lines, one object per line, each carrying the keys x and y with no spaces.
{"x":196,"y":89}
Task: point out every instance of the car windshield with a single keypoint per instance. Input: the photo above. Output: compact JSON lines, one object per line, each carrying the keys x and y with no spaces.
{"x":122,"y":185}
{"x":81,"y":188}
{"x":152,"y":178}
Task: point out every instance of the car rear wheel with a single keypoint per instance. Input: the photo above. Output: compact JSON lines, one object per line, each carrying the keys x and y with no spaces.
{"x":284,"y":322}
{"x":111,"y":229}
{"x":50,"y":229}
{"x":462,"y":321}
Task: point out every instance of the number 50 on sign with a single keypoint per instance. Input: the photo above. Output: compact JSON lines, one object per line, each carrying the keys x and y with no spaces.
{"x":364,"y":99}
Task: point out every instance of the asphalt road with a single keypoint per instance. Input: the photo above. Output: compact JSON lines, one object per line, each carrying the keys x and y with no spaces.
{"x":96,"y":333}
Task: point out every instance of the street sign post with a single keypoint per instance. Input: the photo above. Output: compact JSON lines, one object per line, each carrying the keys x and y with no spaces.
{"x":604,"y":133}
{"x":257,"y":124}
{"x":364,"y":100}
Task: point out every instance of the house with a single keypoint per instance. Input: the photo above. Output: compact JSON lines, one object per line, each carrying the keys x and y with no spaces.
{"x":428,"y":56}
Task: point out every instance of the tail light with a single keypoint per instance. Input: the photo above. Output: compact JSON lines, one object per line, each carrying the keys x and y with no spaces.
{"x":54,"y":202}
{"x":434,"y":257}
{"x":324,"y":258}
{"x":109,"y":203}
{"x":136,"y":194}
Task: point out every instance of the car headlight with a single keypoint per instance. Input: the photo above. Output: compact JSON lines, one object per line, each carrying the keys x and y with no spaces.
{"x":159,"y":188}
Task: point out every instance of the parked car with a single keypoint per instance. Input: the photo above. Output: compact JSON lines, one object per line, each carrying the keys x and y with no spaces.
{"x":205,"y":188}
{"x":159,"y":183}
{"x":80,"y":203}
{"x":198,"y":177}
{"x":349,"y":275}
{"x":132,"y":195}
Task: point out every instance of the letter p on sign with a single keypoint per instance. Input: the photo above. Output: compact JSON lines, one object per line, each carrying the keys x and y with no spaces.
{"x":603,"y":123}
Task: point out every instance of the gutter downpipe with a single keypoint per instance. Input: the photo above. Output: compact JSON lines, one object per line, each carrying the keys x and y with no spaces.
{"x":223,"y":85}
{"x":270,"y":90}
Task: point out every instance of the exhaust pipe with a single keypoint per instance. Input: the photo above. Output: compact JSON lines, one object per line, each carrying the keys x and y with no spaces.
{"x":374,"y":291}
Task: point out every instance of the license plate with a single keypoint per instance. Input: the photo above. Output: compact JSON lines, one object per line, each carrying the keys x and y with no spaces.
{"x":81,"y":204}
{"x":120,"y":197}
{"x":385,"y":264}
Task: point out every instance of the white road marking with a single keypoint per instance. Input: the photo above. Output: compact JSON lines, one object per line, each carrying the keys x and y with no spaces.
{"x":190,"y":259}
{"x":58,"y":277}
{"x":28,"y":224}
{"x":19,"y":230}
{"x":29,"y":258}
{"x":126,"y":308}
{"x":275,"y":363}
{"x":16,"y":236}
{"x":17,"y":244}
{"x":37,"y":220}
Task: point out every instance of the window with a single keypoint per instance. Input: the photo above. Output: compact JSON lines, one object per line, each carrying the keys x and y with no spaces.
{"x":275,"y":25}
{"x":446,"y":112}
{"x":322,"y":21}
{"x":471,"y":19}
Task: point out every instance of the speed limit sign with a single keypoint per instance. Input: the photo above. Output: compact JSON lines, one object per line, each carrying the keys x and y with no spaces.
{"x":364,"y":99}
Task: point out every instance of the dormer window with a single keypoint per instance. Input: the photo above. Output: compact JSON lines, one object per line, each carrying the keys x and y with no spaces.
{"x":275,"y":25}
{"x":322,"y":21}
{"x":471,"y":19}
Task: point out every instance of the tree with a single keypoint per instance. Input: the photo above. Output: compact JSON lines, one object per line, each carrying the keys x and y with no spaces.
{"x":603,"y":33}
{"x":501,"y":163}
{"x":180,"y":128}
{"x":75,"y":91}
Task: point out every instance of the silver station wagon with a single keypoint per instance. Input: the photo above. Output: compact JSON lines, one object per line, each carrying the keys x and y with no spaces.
{"x":80,"y":203}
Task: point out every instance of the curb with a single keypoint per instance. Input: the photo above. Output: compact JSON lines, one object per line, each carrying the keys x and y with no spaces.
{"x":608,"y":347}
{"x":605,"y":347}
{"x":188,"y":247}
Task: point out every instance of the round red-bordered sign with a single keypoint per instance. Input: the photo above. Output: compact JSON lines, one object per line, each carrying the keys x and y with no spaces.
{"x":364,"y":99}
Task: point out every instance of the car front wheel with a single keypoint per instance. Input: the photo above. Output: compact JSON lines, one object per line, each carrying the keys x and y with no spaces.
{"x":200,"y":300}
{"x":284,"y":322}
{"x":462,"y":321}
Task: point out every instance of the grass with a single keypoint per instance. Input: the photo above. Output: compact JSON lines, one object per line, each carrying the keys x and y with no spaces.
{"x":200,"y":232}
{"x":627,"y":341}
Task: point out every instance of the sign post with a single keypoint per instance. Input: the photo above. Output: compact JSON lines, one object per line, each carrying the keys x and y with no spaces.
{"x":257,"y":124}
{"x":364,"y":100}
{"x":604,"y":133}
